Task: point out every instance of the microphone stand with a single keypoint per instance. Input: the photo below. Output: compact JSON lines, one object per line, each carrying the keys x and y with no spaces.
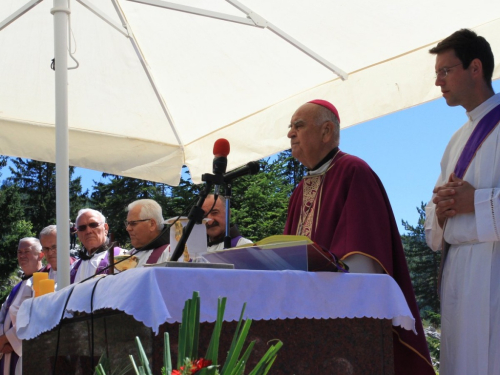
{"x":196,"y":214}
{"x":228,"y":190}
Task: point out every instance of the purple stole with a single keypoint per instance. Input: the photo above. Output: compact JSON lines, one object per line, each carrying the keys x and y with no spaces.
{"x":482,"y":130}
{"x":234,"y":241}
{"x":13,"y":356}
{"x":100,"y":268}
{"x":45,"y":269}
{"x":13,"y":362}
{"x":13,"y":294}
{"x":155,"y":255}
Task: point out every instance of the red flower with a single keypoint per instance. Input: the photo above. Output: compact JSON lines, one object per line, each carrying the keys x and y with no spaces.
{"x":176,"y":372}
{"x":199,"y":364}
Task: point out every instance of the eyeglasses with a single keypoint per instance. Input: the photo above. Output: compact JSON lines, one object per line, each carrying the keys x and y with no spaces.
{"x":47,"y":249}
{"x":133,"y":223}
{"x":83,"y":227}
{"x":443,"y":72}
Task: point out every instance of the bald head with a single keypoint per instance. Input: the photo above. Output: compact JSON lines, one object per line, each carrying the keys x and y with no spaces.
{"x":314,"y":132}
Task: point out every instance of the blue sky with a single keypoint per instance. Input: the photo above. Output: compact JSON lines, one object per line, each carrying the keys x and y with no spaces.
{"x":403,"y":148}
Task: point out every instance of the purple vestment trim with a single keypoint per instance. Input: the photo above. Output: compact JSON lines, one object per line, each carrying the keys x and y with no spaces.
{"x":74,"y":270}
{"x":100,"y":267}
{"x":13,"y":356}
{"x":476,"y":139}
{"x":13,"y":362}
{"x":13,"y":294}
{"x":234,"y":241}
{"x":104,"y":263}
{"x":155,"y":255}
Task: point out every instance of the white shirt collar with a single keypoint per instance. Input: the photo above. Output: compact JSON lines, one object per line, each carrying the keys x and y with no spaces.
{"x":484,"y":108}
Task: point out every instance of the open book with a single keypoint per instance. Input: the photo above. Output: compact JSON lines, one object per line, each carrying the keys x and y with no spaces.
{"x":281,"y":252}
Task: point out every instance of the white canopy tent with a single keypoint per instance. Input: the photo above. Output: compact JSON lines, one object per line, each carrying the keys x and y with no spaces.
{"x":157,"y":83}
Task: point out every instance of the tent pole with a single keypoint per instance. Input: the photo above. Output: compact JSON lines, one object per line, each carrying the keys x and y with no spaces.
{"x":61,"y":14}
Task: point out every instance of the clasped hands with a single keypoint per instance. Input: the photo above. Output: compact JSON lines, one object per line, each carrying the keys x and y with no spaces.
{"x":453,"y":198}
{"x":5,"y":347}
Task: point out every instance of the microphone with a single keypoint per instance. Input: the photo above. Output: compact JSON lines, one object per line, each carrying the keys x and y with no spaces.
{"x":221,"y":150}
{"x":251,"y":168}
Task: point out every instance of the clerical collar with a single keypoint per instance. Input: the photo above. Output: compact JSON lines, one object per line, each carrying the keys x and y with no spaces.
{"x":162,"y":239}
{"x":327,"y":158}
{"x":233,"y":232}
{"x":483,"y":108}
{"x":84,"y":255}
{"x":25,"y":277}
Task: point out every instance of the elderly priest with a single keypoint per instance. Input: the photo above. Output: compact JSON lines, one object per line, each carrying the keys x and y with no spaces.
{"x":342,"y":206}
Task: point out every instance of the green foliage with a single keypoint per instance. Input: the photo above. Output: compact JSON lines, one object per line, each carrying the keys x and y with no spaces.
{"x":260,"y":202}
{"x":3,"y":163}
{"x":423,"y":264}
{"x":9,"y":241}
{"x":113,"y":197}
{"x":433,"y":318}
{"x":182,"y":197}
{"x":28,"y":204}
{"x":434,"y":345}
{"x":37,"y":185}
{"x":104,"y":367}
{"x":292,"y":169}
{"x":189,"y":330}
{"x":188,"y":361}
{"x":8,"y":283}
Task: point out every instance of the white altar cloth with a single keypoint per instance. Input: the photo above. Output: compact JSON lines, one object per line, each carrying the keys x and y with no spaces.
{"x":155,"y":295}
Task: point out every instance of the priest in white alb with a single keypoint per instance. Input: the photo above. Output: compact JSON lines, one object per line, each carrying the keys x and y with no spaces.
{"x":463,"y":216}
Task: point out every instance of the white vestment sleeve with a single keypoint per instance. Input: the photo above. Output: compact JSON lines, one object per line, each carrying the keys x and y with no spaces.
{"x":14,"y":341}
{"x":487,"y":210}
{"x":165,"y":255}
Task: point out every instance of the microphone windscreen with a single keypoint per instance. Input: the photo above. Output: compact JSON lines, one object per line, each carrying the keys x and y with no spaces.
{"x":221,"y":148}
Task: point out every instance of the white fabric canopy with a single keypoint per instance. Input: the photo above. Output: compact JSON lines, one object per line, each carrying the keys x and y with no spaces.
{"x":204,"y":78}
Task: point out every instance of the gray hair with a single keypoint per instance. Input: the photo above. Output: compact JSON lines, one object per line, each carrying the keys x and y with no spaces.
{"x":35,"y":243}
{"x":324,"y":114}
{"x":48,"y":230}
{"x":150,"y":209}
{"x":95,"y":212}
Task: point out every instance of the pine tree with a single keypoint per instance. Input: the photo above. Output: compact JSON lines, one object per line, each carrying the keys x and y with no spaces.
{"x":13,"y":227}
{"x":37,"y":185}
{"x":423,"y":264}
{"x":292,"y":168}
{"x":113,"y":197}
{"x":260,"y":202}
{"x":183,"y":197}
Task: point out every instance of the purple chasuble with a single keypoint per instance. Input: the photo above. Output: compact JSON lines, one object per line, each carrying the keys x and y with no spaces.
{"x":346,"y":210}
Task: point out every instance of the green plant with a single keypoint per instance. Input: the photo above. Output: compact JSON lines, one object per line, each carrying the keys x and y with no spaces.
{"x":188,"y":361}
{"x":103,"y":367}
